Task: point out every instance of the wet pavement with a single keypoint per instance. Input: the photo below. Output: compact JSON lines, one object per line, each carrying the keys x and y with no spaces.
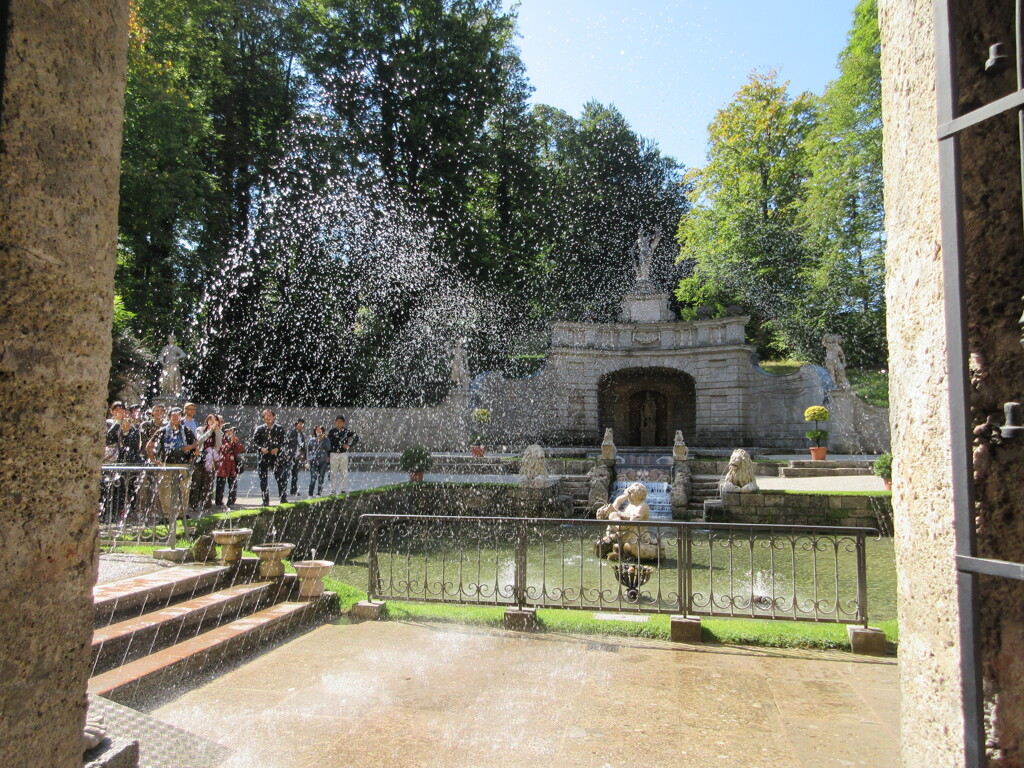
{"x":406,"y":694}
{"x":116,"y":566}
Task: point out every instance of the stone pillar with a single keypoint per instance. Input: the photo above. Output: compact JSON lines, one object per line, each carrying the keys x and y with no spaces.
{"x":929,"y":658}
{"x":60,"y":140}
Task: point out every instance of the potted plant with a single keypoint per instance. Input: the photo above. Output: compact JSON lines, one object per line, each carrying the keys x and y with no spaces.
{"x":817,"y":436}
{"x":415,"y":460}
{"x":883,"y":468}
{"x":477,"y":443}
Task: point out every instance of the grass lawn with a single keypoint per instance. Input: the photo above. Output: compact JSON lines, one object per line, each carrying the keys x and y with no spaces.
{"x":774,"y":634}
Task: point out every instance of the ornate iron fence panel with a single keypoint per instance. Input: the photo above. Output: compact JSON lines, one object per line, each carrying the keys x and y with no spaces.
{"x":796,"y":573}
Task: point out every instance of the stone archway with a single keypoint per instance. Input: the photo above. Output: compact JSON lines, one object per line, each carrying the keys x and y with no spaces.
{"x":645,"y":406}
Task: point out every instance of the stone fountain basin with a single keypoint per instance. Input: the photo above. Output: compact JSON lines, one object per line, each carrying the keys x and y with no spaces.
{"x":312,"y":569}
{"x":232,"y":536}
{"x":273,"y":551}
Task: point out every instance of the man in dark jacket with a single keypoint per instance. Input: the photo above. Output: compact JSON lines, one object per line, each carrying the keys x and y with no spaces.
{"x":342,"y":441}
{"x":267,"y":441}
{"x":294,"y":454}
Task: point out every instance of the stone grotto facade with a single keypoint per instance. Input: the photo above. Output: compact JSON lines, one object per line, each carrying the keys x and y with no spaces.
{"x":651,"y":374}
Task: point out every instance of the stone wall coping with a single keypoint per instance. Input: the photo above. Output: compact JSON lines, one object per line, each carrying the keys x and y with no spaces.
{"x":719,"y":321}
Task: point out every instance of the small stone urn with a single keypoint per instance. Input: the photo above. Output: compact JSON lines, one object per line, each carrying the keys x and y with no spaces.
{"x":231,"y":543}
{"x":311,"y":576}
{"x":271,"y":555}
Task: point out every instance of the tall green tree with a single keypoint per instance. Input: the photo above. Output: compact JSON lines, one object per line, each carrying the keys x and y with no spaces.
{"x":413,"y":83}
{"x":212,"y":90}
{"x":430,"y":101}
{"x":741,"y":242}
{"x":165,"y":184}
{"x":607,"y":184}
{"x":842,"y":215}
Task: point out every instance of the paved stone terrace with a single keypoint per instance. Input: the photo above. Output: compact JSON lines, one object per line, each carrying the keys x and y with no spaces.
{"x":403,"y":694}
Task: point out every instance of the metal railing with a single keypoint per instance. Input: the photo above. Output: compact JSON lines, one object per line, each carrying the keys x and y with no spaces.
{"x":795,"y":573}
{"x":141,"y":504}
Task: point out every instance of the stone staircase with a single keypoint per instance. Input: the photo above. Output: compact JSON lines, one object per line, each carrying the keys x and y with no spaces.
{"x":826,"y":468}
{"x":702,"y":487}
{"x":577,"y":486}
{"x":156,"y":632}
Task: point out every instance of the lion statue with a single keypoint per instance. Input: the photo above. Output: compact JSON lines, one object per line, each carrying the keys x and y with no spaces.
{"x":533,"y":468}
{"x":739,"y":475}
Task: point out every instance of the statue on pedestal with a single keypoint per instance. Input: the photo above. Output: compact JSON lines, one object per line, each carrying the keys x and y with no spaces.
{"x":170,"y":358}
{"x":608,"y":445}
{"x":534,"y":470}
{"x":679,"y":449}
{"x":646,"y":244}
{"x":835,"y":360}
{"x":460,"y":365}
{"x":739,"y":475}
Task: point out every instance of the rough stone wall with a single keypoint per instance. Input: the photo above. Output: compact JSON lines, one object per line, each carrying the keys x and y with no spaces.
{"x":778,"y":508}
{"x":856,"y":426}
{"x":932,"y":721}
{"x":445,"y":427}
{"x":59,"y":157}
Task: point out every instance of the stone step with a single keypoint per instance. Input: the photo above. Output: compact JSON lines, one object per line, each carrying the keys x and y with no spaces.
{"x":824,"y":472}
{"x":127,"y":640}
{"x":152,"y":589}
{"x":170,"y":669}
{"x":829,"y":463}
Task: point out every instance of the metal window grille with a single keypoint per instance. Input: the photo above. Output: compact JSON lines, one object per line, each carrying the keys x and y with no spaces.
{"x":954,"y":120}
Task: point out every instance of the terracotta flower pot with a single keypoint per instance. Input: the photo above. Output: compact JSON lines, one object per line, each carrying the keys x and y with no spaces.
{"x":888,"y":484}
{"x":416,"y":477}
{"x":818,"y":453}
{"x":477,"y":450}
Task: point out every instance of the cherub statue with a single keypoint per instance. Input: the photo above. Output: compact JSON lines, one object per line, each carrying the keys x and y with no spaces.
{"x":739,"y":475}
{"x":628,"y":540}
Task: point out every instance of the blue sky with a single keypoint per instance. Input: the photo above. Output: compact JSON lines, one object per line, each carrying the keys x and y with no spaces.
{"x":668,"y":65}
